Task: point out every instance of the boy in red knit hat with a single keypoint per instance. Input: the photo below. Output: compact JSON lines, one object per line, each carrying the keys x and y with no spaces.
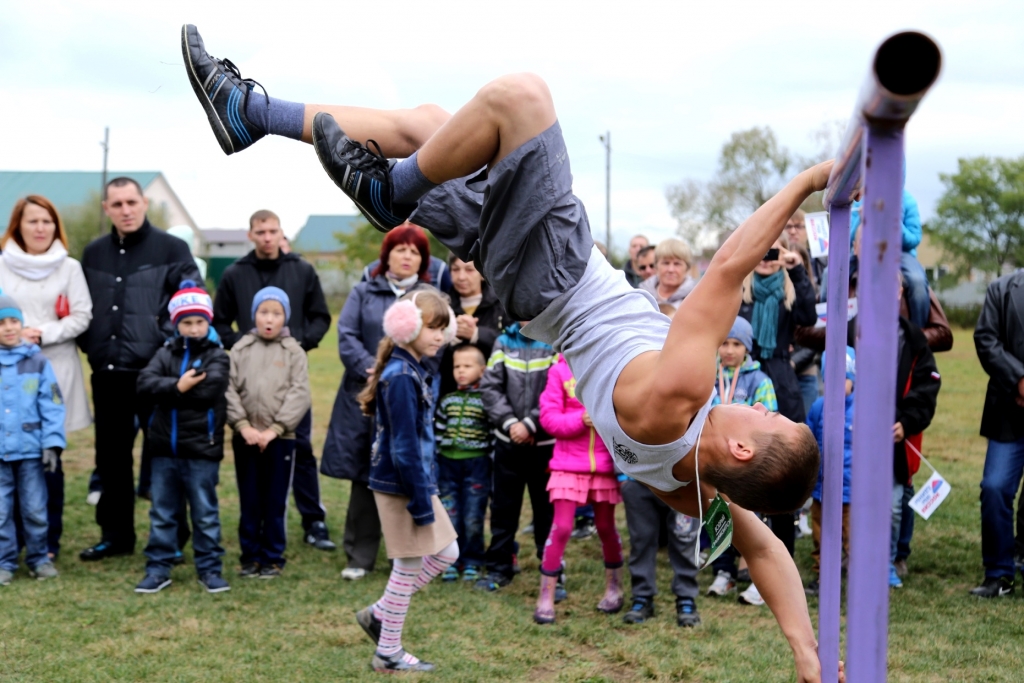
{"x":187,"y":381}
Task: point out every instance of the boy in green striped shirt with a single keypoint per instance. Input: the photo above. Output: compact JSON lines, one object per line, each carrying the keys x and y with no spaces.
{"x":464,"y":445}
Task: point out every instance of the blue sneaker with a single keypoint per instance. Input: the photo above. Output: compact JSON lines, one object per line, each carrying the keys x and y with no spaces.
{"x":492,"y":582}
{"x":213,"y":582}
{"x":894,"y":579}
{"x":450,"y":574}
{"x":153,"y":584}
{"x":221,"y":90}
{"x":471,"y":573}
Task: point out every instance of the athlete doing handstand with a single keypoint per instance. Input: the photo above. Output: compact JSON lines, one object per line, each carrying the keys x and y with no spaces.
{"x":647,"y":384}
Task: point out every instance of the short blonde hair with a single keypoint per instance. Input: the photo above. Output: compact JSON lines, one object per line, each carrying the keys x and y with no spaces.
{"x":673,"y":248}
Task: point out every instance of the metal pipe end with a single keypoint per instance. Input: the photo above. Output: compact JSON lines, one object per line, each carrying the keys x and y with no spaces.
{"x":907,"y":64}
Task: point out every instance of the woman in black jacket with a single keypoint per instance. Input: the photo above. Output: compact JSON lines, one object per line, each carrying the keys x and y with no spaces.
{"x":480,"y":317}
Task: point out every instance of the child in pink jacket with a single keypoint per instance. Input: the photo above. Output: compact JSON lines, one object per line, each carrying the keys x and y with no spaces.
{"x":581,"y":472}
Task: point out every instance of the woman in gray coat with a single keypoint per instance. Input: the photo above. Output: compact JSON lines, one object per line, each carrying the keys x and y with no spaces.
{"x":672,"y":281}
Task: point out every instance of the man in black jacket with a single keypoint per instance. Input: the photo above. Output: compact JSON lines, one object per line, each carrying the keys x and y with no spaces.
{"x":267,"y":265}
{"x":132,"y":274}
{"x":999,"y":340}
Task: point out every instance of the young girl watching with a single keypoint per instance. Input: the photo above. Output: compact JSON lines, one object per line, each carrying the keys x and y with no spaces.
{"x":581,"y":473}
{"x":418,"y":534}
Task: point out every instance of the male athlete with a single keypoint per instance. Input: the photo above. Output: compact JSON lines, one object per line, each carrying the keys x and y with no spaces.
{"x":647,"y":384}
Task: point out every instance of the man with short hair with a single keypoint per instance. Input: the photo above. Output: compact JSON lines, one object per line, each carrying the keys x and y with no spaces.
{"x":132,"y":274}
{"x":999,"y":340}
{"x":646,"y":263}
{"x":269,"y":264}
{"x":633,"y":276}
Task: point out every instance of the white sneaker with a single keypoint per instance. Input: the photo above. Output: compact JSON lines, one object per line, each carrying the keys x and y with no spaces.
{"x":94,"y":497}
{"x":804,"y":527}
{"x":353,"y":573}
{"x":751,"y":596}
{"x":722,"y":585}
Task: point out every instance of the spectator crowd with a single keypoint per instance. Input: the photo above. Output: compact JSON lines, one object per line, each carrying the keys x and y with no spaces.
{"x":497,"y":412}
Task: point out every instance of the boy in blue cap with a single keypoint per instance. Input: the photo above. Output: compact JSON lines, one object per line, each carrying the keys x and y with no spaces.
{"x":30,"y":442}
{"x":268,"y":395}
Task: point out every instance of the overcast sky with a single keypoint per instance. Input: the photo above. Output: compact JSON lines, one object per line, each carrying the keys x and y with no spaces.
{"x":670,"y":80}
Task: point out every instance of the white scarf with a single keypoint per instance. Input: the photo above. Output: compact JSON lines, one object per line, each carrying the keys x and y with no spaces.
{"x":400,"y":287}
{"x":33,"y":266}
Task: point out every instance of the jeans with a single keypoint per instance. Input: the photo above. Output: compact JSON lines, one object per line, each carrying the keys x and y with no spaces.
{"x":464,"y":487}
{"x":906,"y":525}
{"x":915,"y":289}
{"x":54,"y":511}
{"x":1004,"y":465}
{"x":808,"y":390}
{"x":263,"y":483}
{"x":196,"y":481}
{"x":643,"y":512}
{"x":897,"y":519}
{"x":516,"y":468}
{"x":25,"y":477}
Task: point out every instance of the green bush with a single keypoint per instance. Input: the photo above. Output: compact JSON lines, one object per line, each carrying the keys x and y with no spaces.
{"x":963,"y":316}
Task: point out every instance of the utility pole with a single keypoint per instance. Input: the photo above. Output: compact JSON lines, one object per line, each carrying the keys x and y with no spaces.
{"x":607,"y":140}
{"x":103,"y":185}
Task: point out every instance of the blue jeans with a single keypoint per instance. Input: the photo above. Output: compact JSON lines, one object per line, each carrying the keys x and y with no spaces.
{"x":897,"y":520}
{"x":25,"y":477}
{"x":464,"y":487}
{"x":263,"y":483}
{"x":915,"y":288}
{"x":808,"y":390}
{"x":906,"y":524}
{"x":195,"y":481}
{"x":1004,"y":465}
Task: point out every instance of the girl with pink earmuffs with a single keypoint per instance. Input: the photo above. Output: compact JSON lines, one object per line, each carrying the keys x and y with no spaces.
{"x":418,"y":533}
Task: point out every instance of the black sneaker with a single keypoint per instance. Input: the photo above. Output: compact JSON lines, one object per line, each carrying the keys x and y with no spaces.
{"x":812,"y":588}
{"x":993,"y":587}
{"x":370,"y":624}
{"x":250,"y":570}
{"x":687,"y":615}
{"x":318,"y":537}
{"x":492,"y":582}
{"x":152,"y":584}
{"x":584,"y":529}
{"x":103,"y":550}
{"x":213,"y":582}
{"x":270,"y":572}
{"x":396,"y":663}
{"x":221,"y":90}
{"x":640,"y":611}
{"x":362,"y":174}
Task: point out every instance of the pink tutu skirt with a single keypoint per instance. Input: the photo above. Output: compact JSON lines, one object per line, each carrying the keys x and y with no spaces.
{"x":583,"y":488}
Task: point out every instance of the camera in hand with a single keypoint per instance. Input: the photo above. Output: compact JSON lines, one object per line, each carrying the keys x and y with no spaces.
{"x":772,"y":255}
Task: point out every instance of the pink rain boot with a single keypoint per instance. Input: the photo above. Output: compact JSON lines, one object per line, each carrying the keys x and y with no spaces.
{"x":611,"y":603}
{"x":545,"y":612}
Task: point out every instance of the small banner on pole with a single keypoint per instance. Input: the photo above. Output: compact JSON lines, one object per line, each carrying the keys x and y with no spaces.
{"x":932,"y":493}
{"x":817,"y":233}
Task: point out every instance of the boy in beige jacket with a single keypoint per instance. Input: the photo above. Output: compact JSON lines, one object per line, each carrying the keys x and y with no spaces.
{"x":268,"y":394}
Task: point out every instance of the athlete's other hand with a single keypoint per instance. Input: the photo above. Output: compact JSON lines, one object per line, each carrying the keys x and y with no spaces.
{"x":819,"y":175}
{"x":519,"y":433}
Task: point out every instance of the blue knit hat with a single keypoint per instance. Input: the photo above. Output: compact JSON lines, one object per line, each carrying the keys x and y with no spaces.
{"x":743,"y":333}
{"x":851,"y":363}
{"x":9,"y":308}
{"x":272,"y":294}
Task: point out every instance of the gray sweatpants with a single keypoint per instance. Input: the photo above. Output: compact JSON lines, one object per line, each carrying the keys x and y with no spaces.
{"x":644,"y":511}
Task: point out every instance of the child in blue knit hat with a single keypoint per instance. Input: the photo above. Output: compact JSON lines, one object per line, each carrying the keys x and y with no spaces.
{"x":31,"y":440}
{"x":816,"y":421}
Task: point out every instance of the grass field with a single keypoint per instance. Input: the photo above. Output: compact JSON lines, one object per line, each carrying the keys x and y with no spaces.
{"x":88,"y":625}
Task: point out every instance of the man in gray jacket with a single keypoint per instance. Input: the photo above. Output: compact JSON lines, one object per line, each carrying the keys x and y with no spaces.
{"x":999,"y":340}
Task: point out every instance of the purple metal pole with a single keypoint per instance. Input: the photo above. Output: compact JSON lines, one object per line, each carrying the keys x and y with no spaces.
{"x":834,"y":438}
{"x":871,"y":496}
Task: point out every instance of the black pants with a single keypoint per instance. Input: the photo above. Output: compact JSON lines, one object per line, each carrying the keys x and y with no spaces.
{"x":517,"y":467}
{"x":362,"y":528}
{"x":119,"y":415}
{"x":263,"y":481}
{"x":306,"y":483}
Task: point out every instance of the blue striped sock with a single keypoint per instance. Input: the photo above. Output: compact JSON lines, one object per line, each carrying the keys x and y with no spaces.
{"x":274,"y":116}
{"x":408,"y":183}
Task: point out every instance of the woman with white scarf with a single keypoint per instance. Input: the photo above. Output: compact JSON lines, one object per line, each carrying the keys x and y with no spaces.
{"x":49,"y":285}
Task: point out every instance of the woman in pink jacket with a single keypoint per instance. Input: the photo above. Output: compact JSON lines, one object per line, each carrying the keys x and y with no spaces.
{"x":581,"y":472}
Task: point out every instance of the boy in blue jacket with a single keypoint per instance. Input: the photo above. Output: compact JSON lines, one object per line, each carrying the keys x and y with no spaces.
{"x":816,"y":421}
{"x":31,"y":441}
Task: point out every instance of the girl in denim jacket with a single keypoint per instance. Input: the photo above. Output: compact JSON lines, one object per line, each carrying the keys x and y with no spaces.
{"x":403,"y":472}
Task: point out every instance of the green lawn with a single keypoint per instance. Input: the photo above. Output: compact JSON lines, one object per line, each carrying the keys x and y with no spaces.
{"x":88,"y":625}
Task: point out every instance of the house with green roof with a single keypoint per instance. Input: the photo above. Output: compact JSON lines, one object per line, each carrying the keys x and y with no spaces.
{"x":71,"y":188}
{"x":316,"y":239}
